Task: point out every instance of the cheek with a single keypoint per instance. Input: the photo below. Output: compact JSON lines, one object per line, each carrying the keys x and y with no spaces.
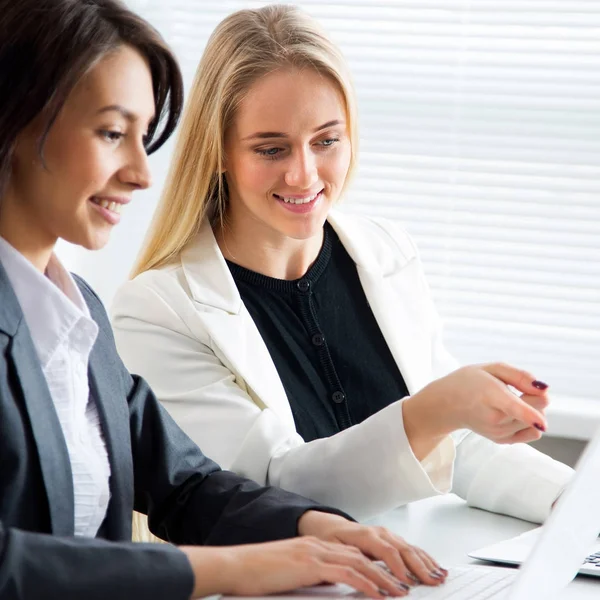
{"x":256,"y":176}
{"x":80,"y":165}
{"x":338,"y":164}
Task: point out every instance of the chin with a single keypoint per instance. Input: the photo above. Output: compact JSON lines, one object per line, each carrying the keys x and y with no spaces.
{"x":96,"y":242}
{"x":306,"y":230}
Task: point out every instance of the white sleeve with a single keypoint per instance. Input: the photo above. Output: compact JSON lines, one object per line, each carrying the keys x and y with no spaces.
{"x":515,"y":479}
{"x":364,"y":470}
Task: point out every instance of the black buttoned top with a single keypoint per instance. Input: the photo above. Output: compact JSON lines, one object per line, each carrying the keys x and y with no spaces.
{"x":329,"y":352}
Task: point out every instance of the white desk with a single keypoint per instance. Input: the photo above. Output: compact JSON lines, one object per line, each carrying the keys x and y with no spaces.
{"x":448,"y":529}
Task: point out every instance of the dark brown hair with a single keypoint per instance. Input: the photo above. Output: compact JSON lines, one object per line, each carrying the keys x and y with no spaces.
{"x":46,"y":46}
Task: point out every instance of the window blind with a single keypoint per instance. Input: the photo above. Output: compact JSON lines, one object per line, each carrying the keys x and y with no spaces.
{"x":480,"y":133}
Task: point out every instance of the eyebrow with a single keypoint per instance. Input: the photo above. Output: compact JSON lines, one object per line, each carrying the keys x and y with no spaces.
{"x":262,"y":135}
{"x":126,"y":114}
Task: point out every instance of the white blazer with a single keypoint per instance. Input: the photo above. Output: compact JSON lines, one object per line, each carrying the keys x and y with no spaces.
{"x":186,"y":330}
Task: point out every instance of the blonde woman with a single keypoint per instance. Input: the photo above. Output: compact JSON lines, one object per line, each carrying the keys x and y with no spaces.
{"x":298,"y":345}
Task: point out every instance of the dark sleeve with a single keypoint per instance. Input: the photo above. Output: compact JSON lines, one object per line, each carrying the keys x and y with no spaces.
{"x":37,"y":566}
{"x":187,"y":497}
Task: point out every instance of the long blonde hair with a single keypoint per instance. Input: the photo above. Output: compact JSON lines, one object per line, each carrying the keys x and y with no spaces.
{"x":244,"y":47}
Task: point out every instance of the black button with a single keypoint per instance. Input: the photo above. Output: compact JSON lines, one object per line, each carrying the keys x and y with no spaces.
{"x":318,"y":339}
{"x":303,"y":285}
{"x":338,"y":397}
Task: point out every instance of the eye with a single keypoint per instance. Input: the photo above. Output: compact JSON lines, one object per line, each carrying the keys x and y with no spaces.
{"x":328,"y":142}
{"x":111,"y":136}
{"x":271,"y":153}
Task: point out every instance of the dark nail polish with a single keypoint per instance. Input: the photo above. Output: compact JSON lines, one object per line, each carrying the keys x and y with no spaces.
{"x":539,"y":427}
{"x":436,"y":575}
{"x":413,"y":577}
{"x":403,"y":586}
{"x":539,"y":385}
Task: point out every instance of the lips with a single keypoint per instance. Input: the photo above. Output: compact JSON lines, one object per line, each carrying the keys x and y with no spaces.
{"x":111,"y":205}
{"x":305,"y":199}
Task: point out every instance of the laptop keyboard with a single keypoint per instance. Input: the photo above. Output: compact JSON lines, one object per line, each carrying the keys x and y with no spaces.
{"x":593,"y":560}
{"x":468,"y":583}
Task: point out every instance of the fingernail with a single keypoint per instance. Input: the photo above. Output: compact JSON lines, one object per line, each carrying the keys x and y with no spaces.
{"x":444,"y":571}
{"x":413,"y":577}
{"x":436,"y":575}
{"x":403,"y":586}
{"x":539,"y":385}
{"x":539,"y":427}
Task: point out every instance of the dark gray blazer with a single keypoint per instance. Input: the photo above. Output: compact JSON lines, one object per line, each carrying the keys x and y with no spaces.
{"x":155,"y":468}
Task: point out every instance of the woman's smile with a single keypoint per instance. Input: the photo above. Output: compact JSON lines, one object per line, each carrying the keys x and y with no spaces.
{"x":300,"y":203}
{"x":109,"y":208}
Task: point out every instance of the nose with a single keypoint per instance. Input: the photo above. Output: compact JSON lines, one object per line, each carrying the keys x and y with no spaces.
{"x":302,"y":170}
{"x":137,"y":171}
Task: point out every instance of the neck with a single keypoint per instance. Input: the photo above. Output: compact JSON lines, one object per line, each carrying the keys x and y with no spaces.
{"x":22,"y":234}
{"x":266,"y":251}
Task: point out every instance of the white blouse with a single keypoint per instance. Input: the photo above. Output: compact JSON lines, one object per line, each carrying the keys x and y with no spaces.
{"x":63,"y":335}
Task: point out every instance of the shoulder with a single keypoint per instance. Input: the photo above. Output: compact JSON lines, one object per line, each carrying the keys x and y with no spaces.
{"x":95,"y":305}
{"x":374,"y":241}
{"x":158,"y":297}
{"x":105,"y":350}
{"x":167,"y":283}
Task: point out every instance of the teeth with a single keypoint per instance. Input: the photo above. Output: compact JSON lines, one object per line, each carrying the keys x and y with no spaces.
{"x":299,"y":200}
{"x":115,"y":207}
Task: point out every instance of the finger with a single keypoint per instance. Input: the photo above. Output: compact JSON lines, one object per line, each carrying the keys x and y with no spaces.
{"x":380,"y":544}
{"x":361,"y":578}
{"x":516,"y":408}
{"x":428,"y":560}
{"x":524,"y":436}
{"x":385,"y":579}
{"x":434,"y":567}
{"x":504,"y":433}
{"x":373,"y":570}
{"x":418,"y":567}
{"x":540,"y":403}
{"x":421,"y":565}
{"x":526,"y":413}
{"x":524,"y":381}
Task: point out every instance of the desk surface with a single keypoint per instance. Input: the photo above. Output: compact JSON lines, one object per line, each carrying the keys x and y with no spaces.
{"x":448,"y":529}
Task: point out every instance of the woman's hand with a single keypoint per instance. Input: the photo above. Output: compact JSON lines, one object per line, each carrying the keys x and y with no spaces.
{"x":330,"y":549}
{"x":275,"y":567}
{"x":476,"y":398}
{"x":407,"y":563}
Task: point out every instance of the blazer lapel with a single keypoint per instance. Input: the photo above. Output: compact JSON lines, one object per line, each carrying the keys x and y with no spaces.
{"x":401,"y":324}
{"x":240,"y":343}
{"x":236,"y":339}
{"x":114,"y":420}
{"x":47,"y":432}
{"x":402,"y":333}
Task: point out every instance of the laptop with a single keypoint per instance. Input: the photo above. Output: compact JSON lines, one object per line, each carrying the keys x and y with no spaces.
{"x":556,"y":554}
{"x":572,"y":517}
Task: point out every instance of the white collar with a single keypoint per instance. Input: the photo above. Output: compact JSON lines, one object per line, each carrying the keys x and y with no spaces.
{"x":52,"y":305}
{"x":211,"y":283}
